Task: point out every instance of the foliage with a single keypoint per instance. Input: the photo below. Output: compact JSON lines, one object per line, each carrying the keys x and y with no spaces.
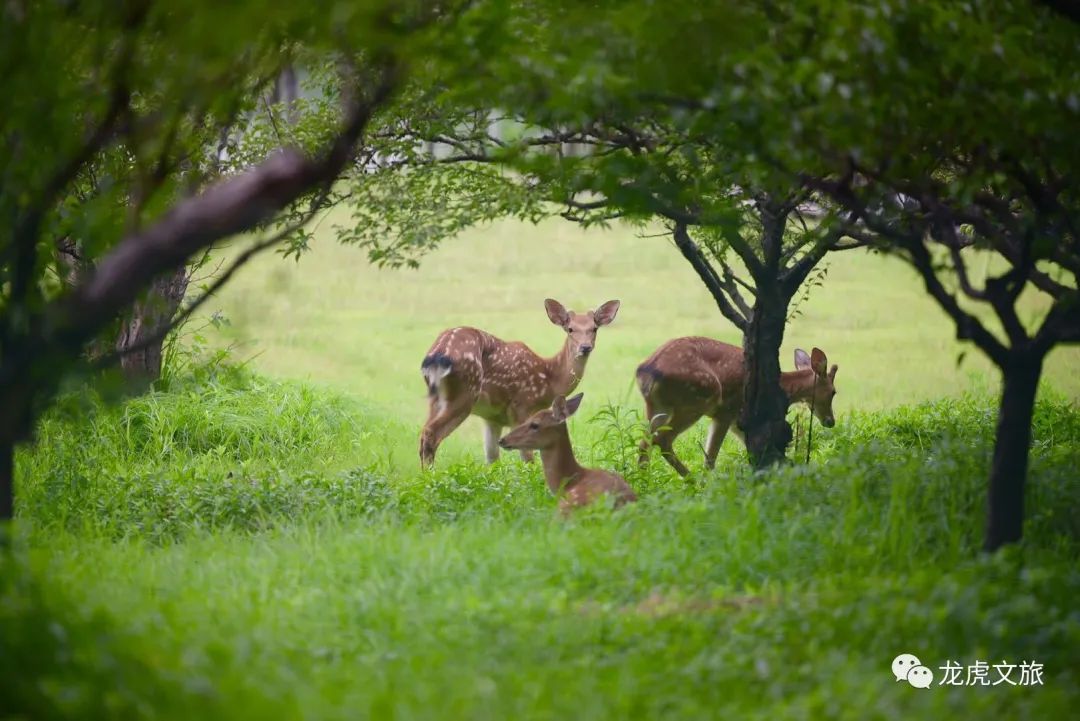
{"x":399,"y":215}
{"x":781,"y":594}
{"x":142,"y":171}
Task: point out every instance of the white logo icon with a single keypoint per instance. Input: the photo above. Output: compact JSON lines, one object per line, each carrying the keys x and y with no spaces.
{"x":907,"y":667}
{"x":920,"y":677}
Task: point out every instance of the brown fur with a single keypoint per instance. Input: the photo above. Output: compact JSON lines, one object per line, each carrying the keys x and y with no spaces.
{"x":687,"y":378}
{"x":546,"y":431}
{"x":471,"y":372}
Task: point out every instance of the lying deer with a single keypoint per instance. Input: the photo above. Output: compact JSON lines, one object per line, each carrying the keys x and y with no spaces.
{"x":687,"y":378}
{"x":470,"y":372}
{"x":575,"y":486}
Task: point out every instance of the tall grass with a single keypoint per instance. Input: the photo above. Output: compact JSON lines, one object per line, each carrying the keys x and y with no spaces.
{"x":213,"y":552}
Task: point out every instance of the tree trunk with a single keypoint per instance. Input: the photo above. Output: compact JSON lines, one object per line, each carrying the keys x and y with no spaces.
{"x":7,"y":480}
{"x":286,"y":92}
{"x":1012,"y":444}
{"x":764,"y":415}
{"x":142,"y":366}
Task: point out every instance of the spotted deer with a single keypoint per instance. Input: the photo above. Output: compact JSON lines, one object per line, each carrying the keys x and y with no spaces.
{"x":687,"y":378}
{"x":470,"y":372}
{"x":575,"y":486}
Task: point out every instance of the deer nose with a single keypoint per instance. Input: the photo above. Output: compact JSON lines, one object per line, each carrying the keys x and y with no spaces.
{"x":829,"y":422}
{"x":503,"y":443}
{"x":585,"y":349}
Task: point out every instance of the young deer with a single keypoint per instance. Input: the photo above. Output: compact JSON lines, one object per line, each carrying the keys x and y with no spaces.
{"x":575,"y":486}
{"x":470,"y":372}
{"x":687,"y":378}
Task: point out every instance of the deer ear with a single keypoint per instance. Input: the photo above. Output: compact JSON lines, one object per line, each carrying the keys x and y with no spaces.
{"x":802,"y":359}
{"x":832,"y":372}
{"x":606,"y":313}
{"x":573,"y":403}
{"x":819,"y":362}
{"x":556,"y":312}
{"x":558,"y":408}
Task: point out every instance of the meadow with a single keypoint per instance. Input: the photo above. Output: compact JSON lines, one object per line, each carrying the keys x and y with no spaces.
{"x":256,"y":538}
{"x":336,"y":322}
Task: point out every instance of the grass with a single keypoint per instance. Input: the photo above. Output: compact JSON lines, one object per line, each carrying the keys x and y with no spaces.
{"x":259,"y":542}
{"x":335,"y":321}
{"x":206,"y":584}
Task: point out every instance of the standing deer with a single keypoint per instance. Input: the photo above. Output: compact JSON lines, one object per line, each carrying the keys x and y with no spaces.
{"x":468,"y":372}
{"x":546,"y":431}
{"x":687,"y":378}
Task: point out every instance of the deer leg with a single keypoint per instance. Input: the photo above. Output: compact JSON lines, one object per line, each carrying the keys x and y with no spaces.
{"x":646,"y":445}
{"x":492,"y":431}
{"x":717,"y":431}
{"x":442,"y":421}
{"x":665,"y":438}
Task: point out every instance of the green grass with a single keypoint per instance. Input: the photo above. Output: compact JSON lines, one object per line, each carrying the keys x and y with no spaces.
{"x":259,"y":542}
{"x":334,"y":320}
{"x":167,"y":566}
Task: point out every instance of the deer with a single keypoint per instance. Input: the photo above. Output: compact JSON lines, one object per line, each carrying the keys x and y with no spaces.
{"x":687,"y":378}
{"x":573,"y":485}
{"x":471,"y":372}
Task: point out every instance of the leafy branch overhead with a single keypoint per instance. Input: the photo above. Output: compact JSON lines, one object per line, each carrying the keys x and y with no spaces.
{"x":131,"y":183}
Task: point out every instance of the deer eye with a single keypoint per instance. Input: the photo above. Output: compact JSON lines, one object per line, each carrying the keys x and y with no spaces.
{"x":534,"y":425}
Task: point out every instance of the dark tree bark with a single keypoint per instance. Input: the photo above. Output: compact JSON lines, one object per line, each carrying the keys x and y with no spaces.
{"x":286,"y":92}
{"x":763,"y":419}
{"x":135,"y":341}
{"x":141,"y":329}
{"x":708,"y":276}
{"x":764,"y":415}
{"x":1012,"y":445}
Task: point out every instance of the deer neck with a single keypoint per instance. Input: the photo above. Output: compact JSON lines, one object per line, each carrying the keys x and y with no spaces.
{"x":798,"y":385}
{"x":565,"y":370}
{"x":561,"y":469}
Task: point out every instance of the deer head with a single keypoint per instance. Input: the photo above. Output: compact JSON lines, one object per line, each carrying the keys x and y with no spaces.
{"x":581,"y":327}
{"x":543,"y":429}
{"x":819,"y":395}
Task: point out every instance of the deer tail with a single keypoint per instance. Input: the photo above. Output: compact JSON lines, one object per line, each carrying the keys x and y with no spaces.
{"x":435,"y":368}
{"x":647,"y":377}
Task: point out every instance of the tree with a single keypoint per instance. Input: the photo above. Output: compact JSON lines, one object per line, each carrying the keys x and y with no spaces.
{"x":619,"y":150}
{"x":943,"y":129}
{"x":903,"y":116}
{"x":142,"y":101}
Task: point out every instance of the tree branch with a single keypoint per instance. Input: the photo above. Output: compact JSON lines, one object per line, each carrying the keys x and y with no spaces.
{"x":731,"y":287}
{"x":28,"y":226}
{"x":231,"y":206}
{"x":1061,"y":325}
{"x":967,"y":325}
{"x":708,"y":276}
{"x":794,"y":275}
{"x":159,"y":334}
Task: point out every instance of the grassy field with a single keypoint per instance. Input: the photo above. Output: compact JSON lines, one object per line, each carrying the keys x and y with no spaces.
{"x":338,"y":322}
{"x":258,"y":542}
